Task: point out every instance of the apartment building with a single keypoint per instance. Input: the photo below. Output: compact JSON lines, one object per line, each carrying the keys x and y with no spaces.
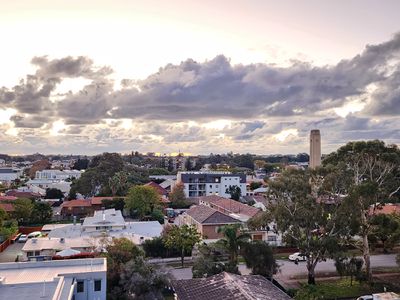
{"x":78,"y":279}
{"x":198,"y":184}
{"x":58,"y":174}
{"x":9,"y":174}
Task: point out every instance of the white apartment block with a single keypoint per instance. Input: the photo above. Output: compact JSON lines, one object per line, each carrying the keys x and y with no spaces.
{"x":58,"y":174}
{"x":198,"y":184}
{"x":74,"y":279}
{"x":9,"y":174}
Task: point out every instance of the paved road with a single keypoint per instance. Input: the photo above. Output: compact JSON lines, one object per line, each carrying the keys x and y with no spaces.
{"x":289,"y":269}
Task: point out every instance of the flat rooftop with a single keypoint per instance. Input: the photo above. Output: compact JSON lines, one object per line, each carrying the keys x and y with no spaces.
{"x":39,"y":272}
{"x":146,"y":229}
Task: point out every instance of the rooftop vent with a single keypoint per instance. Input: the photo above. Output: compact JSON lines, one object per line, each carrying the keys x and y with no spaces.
{"x":34,"y":241}
{"x":62,"y":240}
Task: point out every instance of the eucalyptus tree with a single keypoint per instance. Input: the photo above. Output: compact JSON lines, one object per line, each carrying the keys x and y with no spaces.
{"x":374,"y":179}
{"x":306,"y":207}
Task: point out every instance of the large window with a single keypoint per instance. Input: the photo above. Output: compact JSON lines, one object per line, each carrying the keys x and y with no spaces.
{"x":80,"y":286}
{"x":97,"y":285}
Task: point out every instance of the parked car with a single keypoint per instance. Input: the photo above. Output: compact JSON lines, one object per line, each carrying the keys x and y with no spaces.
{"x":380,"y":296}
{"x":298,"y":256}
{"x":22,"y":238}
{"x":366,"y":297}
{"x":34,"y":234}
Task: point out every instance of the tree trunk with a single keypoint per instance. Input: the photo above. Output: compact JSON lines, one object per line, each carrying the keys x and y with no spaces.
{"x":366,"y":254}
{"x":182,"y":256}
{"x":311,"y":271}
{"x":367,"y":257}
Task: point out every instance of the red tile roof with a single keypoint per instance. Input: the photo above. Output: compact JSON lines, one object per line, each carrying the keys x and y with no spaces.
{"x":76,"y":203}
{"x":98,"y":200}
{"x":19,"y":194}
{"x":8,"y":198}
{"x":229,"y":205}
{"x":207,"y":215}
{"x":159,"y":188}
{"x":386,"y":209}
{"x":8,"y":207}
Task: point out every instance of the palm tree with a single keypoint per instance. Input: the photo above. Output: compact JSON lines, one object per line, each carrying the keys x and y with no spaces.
{"x":233,"y":239}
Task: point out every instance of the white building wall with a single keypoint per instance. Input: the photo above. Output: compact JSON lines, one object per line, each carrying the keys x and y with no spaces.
{"x":7,"y":177}
{"x":88,"y":286}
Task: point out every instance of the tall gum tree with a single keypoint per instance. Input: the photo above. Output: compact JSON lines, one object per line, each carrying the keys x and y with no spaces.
{"x":374,"y":179}
{"x":306,"y":209}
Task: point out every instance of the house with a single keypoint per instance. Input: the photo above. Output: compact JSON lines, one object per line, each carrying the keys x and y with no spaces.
{"x":38,"y":248}
{"x":79,"y":279}
{"x":63,"y":186}
{"x":231,"y":207}
{"x":207,"y":221}
{"x":8,"y":198}
{"x":243,"y":212}
{"x":23,"y":194}
{"x":160,"y":190}
{"x":227,"y":286}
{"x":386,"y":209}
{"x":79,"y":208}
{"x":108,"y":224}
{"x":197,"y":184}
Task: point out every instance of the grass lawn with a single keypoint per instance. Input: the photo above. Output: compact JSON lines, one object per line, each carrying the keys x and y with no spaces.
{"x":341,"y":288}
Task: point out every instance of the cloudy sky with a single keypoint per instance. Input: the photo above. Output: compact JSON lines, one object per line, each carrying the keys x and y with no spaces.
{"x":197,"y":76}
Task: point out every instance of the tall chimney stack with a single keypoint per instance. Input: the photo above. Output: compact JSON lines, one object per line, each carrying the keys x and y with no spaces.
{"x":315,"y":149}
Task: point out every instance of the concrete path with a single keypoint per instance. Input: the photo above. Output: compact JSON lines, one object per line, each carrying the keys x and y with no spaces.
{"x":11,"y":252}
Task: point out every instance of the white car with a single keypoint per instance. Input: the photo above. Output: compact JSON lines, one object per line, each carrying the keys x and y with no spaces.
{"x":298,"y":256}
{"x":366,"y":297}
{"x":34,"y":234}
{"x":22,"y":238}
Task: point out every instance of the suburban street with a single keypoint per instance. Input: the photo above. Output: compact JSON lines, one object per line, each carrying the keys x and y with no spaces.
{"x":289,"y":269}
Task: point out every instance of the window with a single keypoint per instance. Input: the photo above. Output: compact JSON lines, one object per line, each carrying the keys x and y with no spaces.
{"x":210,"y":186}
{"x":29,"y":253}
{"x":271,"y":238}
{"x":97,"y":285}
{"x":80,"y":286}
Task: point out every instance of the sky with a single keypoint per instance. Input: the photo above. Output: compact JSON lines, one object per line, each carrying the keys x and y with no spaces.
{"x":252,"y":76}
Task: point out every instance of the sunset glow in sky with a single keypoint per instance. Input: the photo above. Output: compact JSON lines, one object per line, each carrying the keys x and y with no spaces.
{"x":197,"y":76}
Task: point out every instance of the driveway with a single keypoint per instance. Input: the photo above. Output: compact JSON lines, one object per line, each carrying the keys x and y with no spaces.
{"x":11,"y":252}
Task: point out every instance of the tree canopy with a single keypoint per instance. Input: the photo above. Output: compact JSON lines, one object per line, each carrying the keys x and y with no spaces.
{"x":183,"y":238}
{"x":372,"y":172}
{"x":142,"y":200}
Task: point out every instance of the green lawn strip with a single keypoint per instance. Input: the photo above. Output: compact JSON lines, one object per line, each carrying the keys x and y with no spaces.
{"x":341,"y":288}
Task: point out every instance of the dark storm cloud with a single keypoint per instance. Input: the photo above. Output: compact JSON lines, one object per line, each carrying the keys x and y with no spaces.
{"x":215,"y":89}
{"x":88,"y":106}
{"x":31,"y":121}
{"x":218,"y":89}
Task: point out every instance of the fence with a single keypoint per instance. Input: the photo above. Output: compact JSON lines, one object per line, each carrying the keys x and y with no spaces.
{"x":29,"y":229}
{"x":7,"y":242}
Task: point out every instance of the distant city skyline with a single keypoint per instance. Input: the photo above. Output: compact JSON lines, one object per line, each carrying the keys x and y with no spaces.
{"x":88,"y":77}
